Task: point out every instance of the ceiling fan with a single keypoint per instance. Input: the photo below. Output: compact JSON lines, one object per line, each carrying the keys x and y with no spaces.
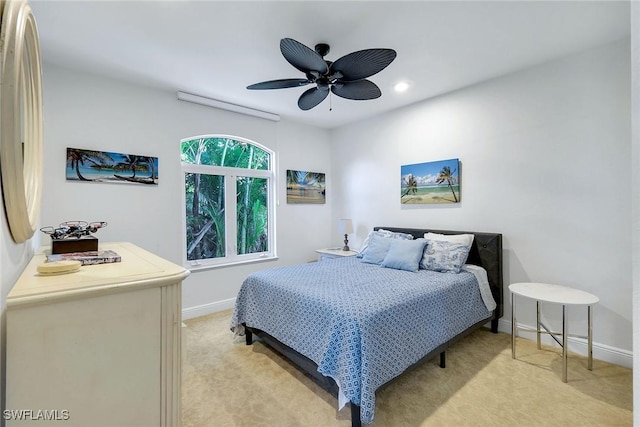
{"x":346,"y":77}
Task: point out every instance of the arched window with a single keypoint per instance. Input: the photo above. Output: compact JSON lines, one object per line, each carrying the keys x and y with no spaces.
{"x":229,"y":200}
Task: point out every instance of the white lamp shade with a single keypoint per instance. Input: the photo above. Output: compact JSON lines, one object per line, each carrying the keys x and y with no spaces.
{"x":345,"y":226}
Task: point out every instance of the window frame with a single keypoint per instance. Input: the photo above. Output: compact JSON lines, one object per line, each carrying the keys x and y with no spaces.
{"x":230,"y":175}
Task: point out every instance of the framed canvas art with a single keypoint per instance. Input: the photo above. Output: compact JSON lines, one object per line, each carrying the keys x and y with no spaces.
{"x":431,"y":182}
{"x":103,"y":166}
{"x":305,"y":187}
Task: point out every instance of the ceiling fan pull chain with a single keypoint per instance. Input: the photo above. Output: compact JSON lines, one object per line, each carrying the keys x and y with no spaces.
{"x":330,"y":104}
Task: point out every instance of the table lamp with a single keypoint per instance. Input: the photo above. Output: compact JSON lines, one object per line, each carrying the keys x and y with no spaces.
{"x":345,"y":226}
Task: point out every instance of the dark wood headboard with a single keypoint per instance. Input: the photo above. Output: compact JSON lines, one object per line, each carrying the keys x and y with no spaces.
{"x":486,"y":252}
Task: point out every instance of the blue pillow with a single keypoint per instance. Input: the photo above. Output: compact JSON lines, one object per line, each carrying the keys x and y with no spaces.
{"x":377,"y":249}
{"x":405,"y":254}
{"x":382,"y":233}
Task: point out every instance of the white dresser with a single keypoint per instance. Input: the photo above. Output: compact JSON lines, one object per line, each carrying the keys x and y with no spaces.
{"x":97,"y":347}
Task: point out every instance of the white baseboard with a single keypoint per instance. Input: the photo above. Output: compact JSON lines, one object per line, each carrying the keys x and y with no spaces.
{"x":204,"y":309}
{"x":602,"y":352}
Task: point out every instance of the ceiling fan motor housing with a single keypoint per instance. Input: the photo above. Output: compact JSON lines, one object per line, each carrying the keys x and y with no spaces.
{"x":322,"y":49}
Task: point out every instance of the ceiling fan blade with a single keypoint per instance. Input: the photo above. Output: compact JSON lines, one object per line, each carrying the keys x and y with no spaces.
{"x":312,"y":97}
{"x":358,"y":90}
{"x":301,"y":57}
{"x":363,"y":63}
{"x":279,"y":84}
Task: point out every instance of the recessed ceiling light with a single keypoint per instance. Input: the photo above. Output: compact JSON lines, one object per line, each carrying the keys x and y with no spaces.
{"x":401,"y":86}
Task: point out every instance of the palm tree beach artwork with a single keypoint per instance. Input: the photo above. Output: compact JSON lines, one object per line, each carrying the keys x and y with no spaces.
{"x":102,"y":166}
{"x":432,"y":182}
{"x":305,"y":187}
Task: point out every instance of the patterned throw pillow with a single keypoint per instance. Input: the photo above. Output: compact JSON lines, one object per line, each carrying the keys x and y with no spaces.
{"x":444,"y":256}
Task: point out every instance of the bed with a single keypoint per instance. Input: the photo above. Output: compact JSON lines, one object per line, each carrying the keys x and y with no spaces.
{"x":354,"y":326}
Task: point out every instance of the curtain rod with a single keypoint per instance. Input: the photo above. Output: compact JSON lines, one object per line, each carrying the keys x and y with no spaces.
{"x":210,"y":102}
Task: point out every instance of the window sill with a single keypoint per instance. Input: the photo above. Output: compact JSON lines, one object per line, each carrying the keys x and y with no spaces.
{"x":203,"y":267}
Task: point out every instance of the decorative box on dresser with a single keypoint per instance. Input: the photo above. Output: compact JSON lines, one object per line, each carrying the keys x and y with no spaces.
{"x":97,"y":347}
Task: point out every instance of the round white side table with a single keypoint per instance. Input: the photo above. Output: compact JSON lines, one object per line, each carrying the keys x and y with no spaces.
{"x":543,"y":292}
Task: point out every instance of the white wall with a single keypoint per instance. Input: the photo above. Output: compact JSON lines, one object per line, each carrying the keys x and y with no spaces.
{"x":545,"y":157}
{"x":90,"y":112}
{"x":635,"y":114}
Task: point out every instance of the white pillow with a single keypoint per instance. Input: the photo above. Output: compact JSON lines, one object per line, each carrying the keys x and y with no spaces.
{"x":464,"y":239}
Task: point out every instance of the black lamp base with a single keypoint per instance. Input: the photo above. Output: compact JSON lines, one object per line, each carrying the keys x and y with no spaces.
{"x":346,"y":244}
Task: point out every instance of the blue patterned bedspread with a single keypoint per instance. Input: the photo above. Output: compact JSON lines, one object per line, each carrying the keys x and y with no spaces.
{"x":362,"y":324}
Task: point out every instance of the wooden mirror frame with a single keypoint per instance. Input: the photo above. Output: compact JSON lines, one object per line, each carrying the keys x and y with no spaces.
{"x":20,"y":118}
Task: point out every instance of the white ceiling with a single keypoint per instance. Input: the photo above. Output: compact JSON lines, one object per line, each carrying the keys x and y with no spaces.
{"x":217,"y":48}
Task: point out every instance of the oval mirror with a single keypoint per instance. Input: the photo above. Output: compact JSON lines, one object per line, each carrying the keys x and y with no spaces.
{"x":20,"y":118}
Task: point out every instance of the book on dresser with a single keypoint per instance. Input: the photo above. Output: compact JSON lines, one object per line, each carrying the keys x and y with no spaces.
{"x":87,"y":258}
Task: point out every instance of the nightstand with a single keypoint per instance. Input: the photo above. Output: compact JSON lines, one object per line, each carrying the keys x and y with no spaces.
{"x":330,"y":253}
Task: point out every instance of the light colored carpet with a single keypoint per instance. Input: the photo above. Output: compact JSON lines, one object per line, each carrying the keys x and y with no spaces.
{"x":226,"y":383}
